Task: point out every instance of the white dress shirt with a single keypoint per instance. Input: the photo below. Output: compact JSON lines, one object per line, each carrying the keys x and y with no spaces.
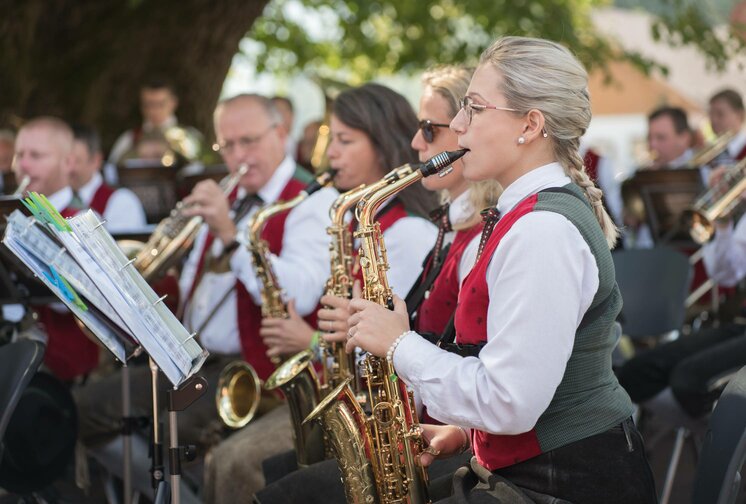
{"x":460,"y":211}
{"x":408,"y":241}
{"x":725,"y":255}
{"x":302,"y":267}
{"x":541,"y":280}
{"x":123,"y":211}
{"x":736,"y":145}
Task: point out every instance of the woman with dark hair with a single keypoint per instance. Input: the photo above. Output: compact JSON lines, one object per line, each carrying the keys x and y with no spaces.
{"x":371,"y":127}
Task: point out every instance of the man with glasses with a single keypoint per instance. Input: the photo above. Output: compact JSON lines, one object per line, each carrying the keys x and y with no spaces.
{"x":219,"y":289}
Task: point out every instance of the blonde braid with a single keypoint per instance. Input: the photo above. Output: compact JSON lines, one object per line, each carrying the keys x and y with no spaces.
{"x":568,"y":155}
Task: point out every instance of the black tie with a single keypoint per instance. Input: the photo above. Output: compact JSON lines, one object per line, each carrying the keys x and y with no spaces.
{"x":490,"y":216}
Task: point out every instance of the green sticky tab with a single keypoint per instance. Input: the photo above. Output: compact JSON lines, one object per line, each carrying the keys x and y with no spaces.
{"x":28,"y":203}
{"x":76,"y":299}
{"x":393,"y":377}
{"x":55,"y":217}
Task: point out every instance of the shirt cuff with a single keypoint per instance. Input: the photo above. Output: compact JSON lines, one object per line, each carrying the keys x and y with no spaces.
{"x":410,"y":355}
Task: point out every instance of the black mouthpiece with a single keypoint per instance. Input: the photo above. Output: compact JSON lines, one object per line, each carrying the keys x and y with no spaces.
{"x":441,"y":161}
{"x":321,"y":181}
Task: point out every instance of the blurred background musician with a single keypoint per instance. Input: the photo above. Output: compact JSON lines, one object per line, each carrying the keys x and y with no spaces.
{"x":120,"y":208}
{"x":158,"y":104}
{"x":371,"y":127}
{"x":44,"y":152}
{"x":433,"y":297}
{"x":669,"y":138}
{"x":285,"y":107}
{"x":7,"y":141}
{"x":218,"y":284}
{"x":726,"y":113}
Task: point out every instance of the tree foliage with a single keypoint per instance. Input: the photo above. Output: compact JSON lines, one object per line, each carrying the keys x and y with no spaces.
{"x":359,"y":40}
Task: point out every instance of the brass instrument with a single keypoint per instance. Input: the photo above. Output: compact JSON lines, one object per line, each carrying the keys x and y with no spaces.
{"x":239,"y":387}
{"x":717,"y":203}
{"x":174,"y":235}
{"x":338,"y":365}
{"x":707,"y":154}
{"x":378,"y":455}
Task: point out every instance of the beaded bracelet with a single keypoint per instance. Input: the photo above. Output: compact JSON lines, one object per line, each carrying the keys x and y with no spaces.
{"x":467,"y":442}
{"x":390,"y":352}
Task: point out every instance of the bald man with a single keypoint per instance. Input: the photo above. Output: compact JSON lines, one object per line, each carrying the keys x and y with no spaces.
{"x":43,"y":152}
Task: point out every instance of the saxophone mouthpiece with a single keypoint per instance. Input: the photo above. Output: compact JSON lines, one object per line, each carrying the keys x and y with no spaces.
{"x":440,"y":163}
{"x":323,"y":180}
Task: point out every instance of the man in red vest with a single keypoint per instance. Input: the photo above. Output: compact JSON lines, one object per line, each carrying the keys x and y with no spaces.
{"x":43,"y":152}
{"x":120,"y":208}
{"x":218,"y":282}
{"x":726,"y":114}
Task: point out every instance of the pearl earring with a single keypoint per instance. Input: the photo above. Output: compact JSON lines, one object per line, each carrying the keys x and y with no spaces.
{"x":521,"y":140}
{"x":544,"y":133}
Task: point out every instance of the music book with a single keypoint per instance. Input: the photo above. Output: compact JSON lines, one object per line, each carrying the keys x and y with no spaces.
{"x":82,"y":265}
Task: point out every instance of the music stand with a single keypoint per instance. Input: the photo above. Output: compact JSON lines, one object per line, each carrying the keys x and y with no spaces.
{"x":17,"y":284}
{"x":666,"y":194}
{"x":155,"y":185}
{"x":187,"y":181}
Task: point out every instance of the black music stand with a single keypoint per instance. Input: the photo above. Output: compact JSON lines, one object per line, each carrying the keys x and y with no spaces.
{"x":155,"y":185}
{"x":666,"y":194}
{"x":9,"y":182}
{"x":187,"y":181}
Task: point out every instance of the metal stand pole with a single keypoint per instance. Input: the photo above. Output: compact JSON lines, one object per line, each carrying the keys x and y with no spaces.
{"x":127,"y":435}
{"x":179,"y":400}
{"x":157,"y":460}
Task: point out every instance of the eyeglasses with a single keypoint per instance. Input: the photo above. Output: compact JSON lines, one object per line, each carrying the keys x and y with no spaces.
{"x":428,"y":129}
{"x":245,"y":142}
{"x":468,"y":105}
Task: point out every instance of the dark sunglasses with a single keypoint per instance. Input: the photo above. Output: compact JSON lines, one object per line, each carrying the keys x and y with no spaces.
{"x":428,"y":129}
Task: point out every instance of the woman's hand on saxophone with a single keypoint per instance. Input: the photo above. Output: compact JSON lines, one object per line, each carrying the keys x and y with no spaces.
{"x":374,"y":328}
{"x":286,"y":336}
{"x":208,"y":201}
{"x":333,"y":317}
{"x":442,"y":441}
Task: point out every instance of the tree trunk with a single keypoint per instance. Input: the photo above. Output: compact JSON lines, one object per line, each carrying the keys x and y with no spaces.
{"x":84,"y":60}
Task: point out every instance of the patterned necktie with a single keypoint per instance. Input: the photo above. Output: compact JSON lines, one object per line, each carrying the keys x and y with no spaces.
{"x":440,"y":217}
{"x":490,"y":217}
{"x":77,"y":202}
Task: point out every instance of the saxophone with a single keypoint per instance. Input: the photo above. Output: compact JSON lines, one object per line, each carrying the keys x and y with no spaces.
{"x":378,"y":454}
{"x":174,"y":235}
{"x":296,"y":377}
{"x":338,"y":365}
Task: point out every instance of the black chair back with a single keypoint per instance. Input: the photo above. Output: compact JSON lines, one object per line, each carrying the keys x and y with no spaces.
{"x":19,"y":362}
{"x":718,"y":477}
{"x":654,"y":284}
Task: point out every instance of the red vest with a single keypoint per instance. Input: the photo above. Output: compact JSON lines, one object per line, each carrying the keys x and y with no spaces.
{"x":741,"y":154}
{"x":591,"y":160}
{"x":386,"y":218}
{"x":69,"y":353}
{"x":101,"y":198}
{"x":492,"y":451}
{"x":436,"y":309}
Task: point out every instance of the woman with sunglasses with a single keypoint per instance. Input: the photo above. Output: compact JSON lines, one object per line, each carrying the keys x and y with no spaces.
{"x":433,"y":298}
{"x":532,"y":391}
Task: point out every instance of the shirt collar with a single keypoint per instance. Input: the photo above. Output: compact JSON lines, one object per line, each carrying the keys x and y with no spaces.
{"x":461,"y":209}
{"x":682,"y":160}
{"x":61,"y":199}
{"x":88,"y":190}
{"x":737,"y":144}
{"x":550,"y":175}
{"x":271,"y":191}
{"x":168,"y":123}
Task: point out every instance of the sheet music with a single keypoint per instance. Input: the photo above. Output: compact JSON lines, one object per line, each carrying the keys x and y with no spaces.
{"x":104,"y":333}
{"x":88,"y":262}
{"x":168,"y":337}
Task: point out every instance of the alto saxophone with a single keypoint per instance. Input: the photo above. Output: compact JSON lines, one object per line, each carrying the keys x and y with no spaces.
{"x":378,"y":454}
{"x":296,"y":377}
{"x":174,"y":235}
{"x":338,"y":365}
